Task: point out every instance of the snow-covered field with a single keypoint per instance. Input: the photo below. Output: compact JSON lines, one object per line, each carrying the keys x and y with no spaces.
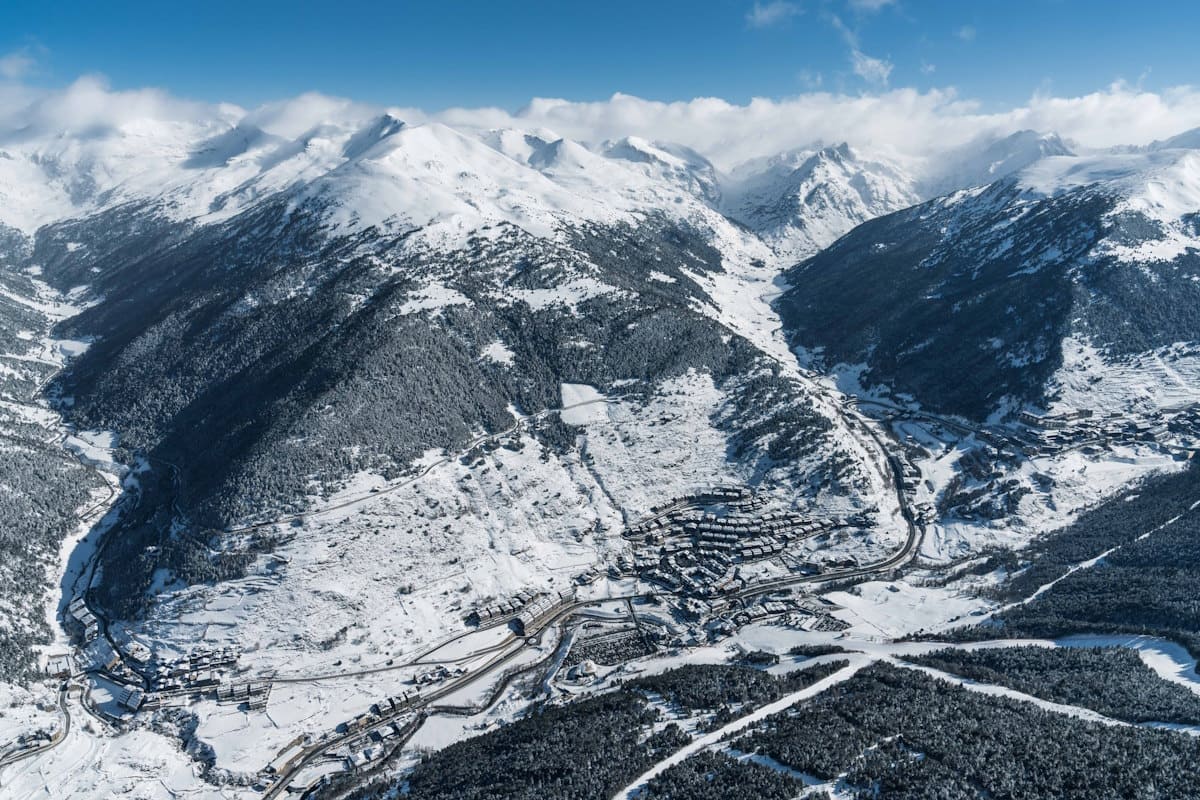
{"x":93,"y":763}
{"x":385,"y":578}
{"x":1168,"y":378}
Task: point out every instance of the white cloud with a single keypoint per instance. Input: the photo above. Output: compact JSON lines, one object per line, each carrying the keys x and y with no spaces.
{"x":764,"y":15}
{"x":927,"y":68}
{"x":966,"y":33}
{"x":869,"y":6}
{"x":16,"y":65}
{"x":89,"y":107}
{"x":903,"y":122}
{"x":810,"y":79}
{"x":296,"y":116}
{"x":871,"y":70}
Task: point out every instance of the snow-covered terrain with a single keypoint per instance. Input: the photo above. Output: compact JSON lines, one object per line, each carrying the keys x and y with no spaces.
{"x":801,"y":202}
{"x":380,"y":170}
{"x":569,"y":338}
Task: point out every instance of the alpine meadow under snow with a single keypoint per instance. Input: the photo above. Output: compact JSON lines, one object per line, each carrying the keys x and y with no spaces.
{"x":621,"y":449}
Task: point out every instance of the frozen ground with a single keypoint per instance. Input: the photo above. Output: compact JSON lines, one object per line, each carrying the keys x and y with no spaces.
{"x":1165,"y":378}
{"x":26,"y":711}
{"x":92,"y":763}
{"x":395,"y":572}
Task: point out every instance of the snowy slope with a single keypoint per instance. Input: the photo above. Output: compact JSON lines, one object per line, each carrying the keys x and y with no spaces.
{"x":360,"y":320}
{"x":989,"y":160}
{"x":995,"y":284}
{"x":378,"y":169}
{"x":802,"y":201}
{"x":1156,"y":194}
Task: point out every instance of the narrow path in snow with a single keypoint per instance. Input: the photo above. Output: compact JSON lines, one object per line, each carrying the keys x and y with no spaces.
{"x":715,"y":737}
{"x":1071,"y":570}
{"x":995,"y":690}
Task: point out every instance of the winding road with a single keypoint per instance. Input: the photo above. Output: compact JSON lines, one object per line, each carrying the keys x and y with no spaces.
{"x":59,"y":734}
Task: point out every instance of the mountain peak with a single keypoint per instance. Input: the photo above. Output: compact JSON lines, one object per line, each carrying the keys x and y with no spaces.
{"x":377,"y":130}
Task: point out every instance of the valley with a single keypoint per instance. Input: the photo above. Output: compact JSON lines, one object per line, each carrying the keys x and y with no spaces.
{"x":399,"y":438}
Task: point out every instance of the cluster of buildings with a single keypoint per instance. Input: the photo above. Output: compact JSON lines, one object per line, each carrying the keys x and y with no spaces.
{"x":360,"y":759}
{"x":502,"y":609}
{"x":540,"y":606}
{"x":805,"y":613}
{"x":587,"y":577}
{"x":253,"y":693}
{"x":719,"y":529}
{"x":693,"y":545}
{"x":760,"y":611}
{"x":198,"y":670}
{"x":523,"y":608}
{"x":1187,"y":422}
{"x":386,"y":709}
{"x":662,"y":517}
{"x":707,"y":574}
{"x":910,"y":476}
{"x":378,"y":731}
{"x":389,"y":706}
{"x":436,"y":675}
{"x":1054,"y":421}
{"x":1084,"y":428}
{"x":378,"y":741}
{"x":83,"y":616}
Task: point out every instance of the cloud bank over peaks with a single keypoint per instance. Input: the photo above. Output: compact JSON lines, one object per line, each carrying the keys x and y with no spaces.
{"x":902,"y":123}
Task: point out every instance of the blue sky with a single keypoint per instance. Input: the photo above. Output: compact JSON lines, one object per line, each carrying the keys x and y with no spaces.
{"x":435,"y":55}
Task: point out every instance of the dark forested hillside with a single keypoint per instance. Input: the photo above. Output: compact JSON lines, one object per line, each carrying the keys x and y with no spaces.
{"x":897,"y":733}
{"x":1147,"y":584}
{"x":963,"y":301}
{"x":265,"y":363}
{"x":1110,"y":680}
{"x":886,"y":732}
{"x":261,"y":361}
{"x":716,"y":776}
{"x":582,"y":751}
{"x":1115,"y":522}
{"x":1151,"y":586}
{"x":592,"y":747}
{"x":711,"y":686}
{"x":42,"y":486}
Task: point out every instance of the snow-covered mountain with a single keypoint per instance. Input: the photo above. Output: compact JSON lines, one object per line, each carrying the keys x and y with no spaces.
{"x":989,"y":160}
{"x":378,"y":169}
{"x":1001,"y":295}
{"x":364,"y":377}
{"x":287,"y":319}
{"x":802,"y":201}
